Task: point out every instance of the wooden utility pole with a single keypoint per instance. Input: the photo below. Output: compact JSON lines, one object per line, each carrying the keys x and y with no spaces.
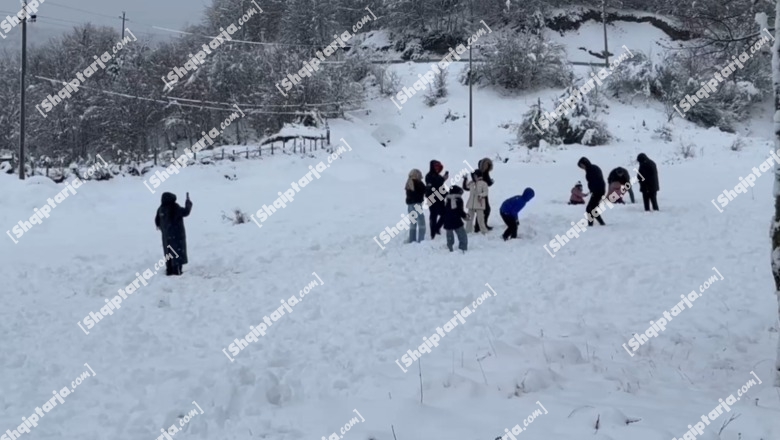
{"x":22,"y":91}
{"x":604,"y":20}
{"x":123,"y":24}
{"x":471,"y":80}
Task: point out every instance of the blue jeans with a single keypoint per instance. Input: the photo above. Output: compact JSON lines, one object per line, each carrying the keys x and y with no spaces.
{"x":463,"y":240}
{"x":417,"y":227}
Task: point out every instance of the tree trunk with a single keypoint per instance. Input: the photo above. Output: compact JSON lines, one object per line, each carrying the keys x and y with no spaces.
{"x":775,"y":230}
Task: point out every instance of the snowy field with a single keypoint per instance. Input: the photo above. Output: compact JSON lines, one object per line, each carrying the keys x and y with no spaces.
{"x":553,"y":334}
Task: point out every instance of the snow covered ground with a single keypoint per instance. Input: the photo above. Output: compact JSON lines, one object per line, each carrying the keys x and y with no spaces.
{"x":553,"y":334}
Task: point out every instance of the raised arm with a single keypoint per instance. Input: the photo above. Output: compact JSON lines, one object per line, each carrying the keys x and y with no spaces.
{"x":187,"y":208}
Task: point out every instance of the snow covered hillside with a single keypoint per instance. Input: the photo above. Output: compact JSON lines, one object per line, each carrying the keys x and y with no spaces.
{"x":553,"y":333}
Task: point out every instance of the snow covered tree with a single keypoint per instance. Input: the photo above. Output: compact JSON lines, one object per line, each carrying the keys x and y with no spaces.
{"x":775,"y":230}
{"x":310,"y":22}
{"x":524,"y":62}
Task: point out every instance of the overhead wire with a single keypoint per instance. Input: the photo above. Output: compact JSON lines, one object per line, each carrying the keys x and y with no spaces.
{"x":171,"y":101}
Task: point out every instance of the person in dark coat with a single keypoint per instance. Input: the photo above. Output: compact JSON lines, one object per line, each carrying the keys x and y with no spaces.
{"x":433,"y":181}
{"x":486,"y":166}
{"x":510,"y":209}
{"x":170,"y":221}
{"x":620,"y":175}
{"x":648,"y":183}
{"x":596,"y":186}
{"x":453,"y":219}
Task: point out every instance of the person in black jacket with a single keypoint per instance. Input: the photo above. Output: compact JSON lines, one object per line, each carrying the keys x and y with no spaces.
{"x":596,"y":186}
{"x":648,"y":184}
{"x":415,"y":195}
{"x":434,"y":180}
{"x":486,"y":166}
{"x":620,"y":175}
{"x":453,"y":219}
{"x":170,"y":221}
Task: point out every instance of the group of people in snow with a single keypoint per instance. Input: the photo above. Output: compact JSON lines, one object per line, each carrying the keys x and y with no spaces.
{"x":449,"y":212}
{"x":619,"y":182}
{"x":459,"y":218}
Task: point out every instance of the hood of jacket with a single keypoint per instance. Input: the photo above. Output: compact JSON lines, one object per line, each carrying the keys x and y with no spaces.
{"x":485,"y":165}
{"x":434,"y":165}
{"x":528,"y":194}
{"x":168,"y":198}
{"x":583,"y":162}
{"x":642,"y":158}
{"x":452,"y":200}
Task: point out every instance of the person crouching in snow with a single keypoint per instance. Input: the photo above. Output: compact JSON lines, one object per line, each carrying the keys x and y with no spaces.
{"x":620,"y":175}
{"x":415,"y":195}
{"x":510,"y":209}
{"x":170,"y":221}
{"x":577,"y":196}
{"x":477,"y":202}
{"x":616,"y":193}
{"x":453,"y":219}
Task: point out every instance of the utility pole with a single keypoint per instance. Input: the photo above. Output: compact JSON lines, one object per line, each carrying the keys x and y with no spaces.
{"x":604,"y":20}
{"x":22,"y":89}
{"x":123,"y":24}
{"x":471,"y":101}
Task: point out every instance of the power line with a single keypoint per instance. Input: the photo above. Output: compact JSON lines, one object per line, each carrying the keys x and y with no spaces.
{"x":102,"y":15}
{"x":53,"y":22}
{"x":80,"y":10}
{"x":176,"y":31}
{"x":171,"y":102}
{"x":64,"y":20}
{"x":269,"y":105}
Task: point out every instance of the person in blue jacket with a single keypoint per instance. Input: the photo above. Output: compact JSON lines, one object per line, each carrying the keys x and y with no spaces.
{"x":510,"y":210}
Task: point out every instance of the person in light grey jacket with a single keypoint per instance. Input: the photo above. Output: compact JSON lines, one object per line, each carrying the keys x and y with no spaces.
{"x":477,"y":202}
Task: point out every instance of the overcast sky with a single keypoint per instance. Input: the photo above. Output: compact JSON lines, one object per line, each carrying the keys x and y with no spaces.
{"x":58,"y":16}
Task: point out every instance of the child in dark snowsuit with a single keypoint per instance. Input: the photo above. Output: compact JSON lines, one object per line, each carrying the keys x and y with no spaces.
{"x":433,"y":181}
{"x":510,"y":210}
{"x":453,"y":219}
{"x":170,"y":221}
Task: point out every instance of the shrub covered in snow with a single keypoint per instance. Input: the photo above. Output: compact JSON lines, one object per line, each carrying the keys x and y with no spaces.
{"x":682,"y":74}
{"x":575,"y":126}
{"x":413,"y":51}
{"x":437,"y":89}
{"x":686,"y":149}
{"x":738,"y":144}
{"x":530,"y":135}
{"x":524,"y":62}
{"x":388,"y":81}
{"x":664,"y":133}
{"x":634,"y":76}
